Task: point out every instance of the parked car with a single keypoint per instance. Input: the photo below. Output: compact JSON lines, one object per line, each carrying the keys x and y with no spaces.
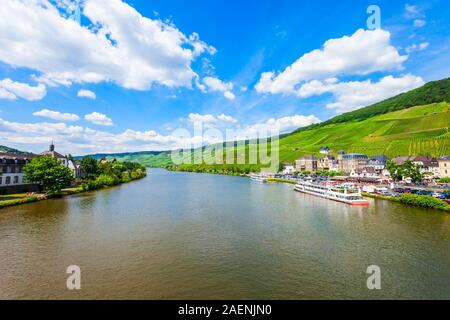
{"x":438,"y":195}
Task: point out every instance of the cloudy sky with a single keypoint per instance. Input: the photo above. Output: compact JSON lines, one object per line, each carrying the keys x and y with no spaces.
{"x":116,"y":75}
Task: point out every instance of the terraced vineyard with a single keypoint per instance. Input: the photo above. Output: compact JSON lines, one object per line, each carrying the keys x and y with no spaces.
{"x":418,"y":130}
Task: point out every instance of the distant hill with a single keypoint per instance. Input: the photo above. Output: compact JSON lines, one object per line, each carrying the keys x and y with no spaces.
{"x":147,"y":158}
{"x":432,"y":92}
{"x":4,"y":149}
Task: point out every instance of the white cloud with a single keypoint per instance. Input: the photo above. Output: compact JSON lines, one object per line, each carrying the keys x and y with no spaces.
{"x":12,"y":90}
{"x":281,"y":125}
{"x":212,"y":84}
{"x":244,"y":89}
{"x":356,"y":94}
{"x":87,"y":94}
{"x":417,"y":47}
{"x":225,"y":118}
{"x":4,"y":94}
{"x":362,"y":53}
{"x":210,"y":120}
{"x":120,"y":45}
{"x":215,"y":84}
{"x":79,"y":140}
{"x":418,"y":23}
{"x":203,"y":118}
{"x":99,"y":119}
{"x":56,"y":115}
{"x":413,"y":12}
{"x":229,"y":95}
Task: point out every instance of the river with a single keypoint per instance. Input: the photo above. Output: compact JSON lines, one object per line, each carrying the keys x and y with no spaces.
{"x":199,"y":236}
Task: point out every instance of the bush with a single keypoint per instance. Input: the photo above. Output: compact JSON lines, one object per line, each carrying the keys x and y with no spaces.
{"x":126,"y":177}
{"x":102,"y":181}
{"x":424,"y":201}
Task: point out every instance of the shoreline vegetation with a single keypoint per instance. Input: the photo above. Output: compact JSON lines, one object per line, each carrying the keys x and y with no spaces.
{"x":99,"y":175}
{"x":414,"y":200}
{"x":224,"y":169}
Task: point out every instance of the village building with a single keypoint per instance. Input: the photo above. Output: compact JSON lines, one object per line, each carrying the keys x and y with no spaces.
{"x":444,"y":167}
{"x":325,"y":150}
{"x":378,"y":163}
{"x":326,"y":163}
{"x":306,"y":163}
{"x":65,"y":161}
{"x":11,"y":173}
{"x":352,"y":161}
{"x":428,"y":165}
{"x":288,"y":168}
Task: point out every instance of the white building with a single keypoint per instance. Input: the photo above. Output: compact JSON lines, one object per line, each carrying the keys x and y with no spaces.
{"x":72,"y":165}
{"x":11,"y":166}
{"x":288,"y":168}
{"x":444,"y":167}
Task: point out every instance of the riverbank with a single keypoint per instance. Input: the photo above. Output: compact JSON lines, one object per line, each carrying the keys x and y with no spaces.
{"x":414,"y":200}
{"x":23,"y":198}
{"x":281,"y":180}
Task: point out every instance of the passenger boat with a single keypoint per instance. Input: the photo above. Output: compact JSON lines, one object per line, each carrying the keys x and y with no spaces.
{"x":345,"y":193}
{"x":258,"y":177}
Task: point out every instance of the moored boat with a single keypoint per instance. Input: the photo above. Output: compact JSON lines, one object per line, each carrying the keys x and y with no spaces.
{"x":344,"y":193}
{"x":258,"y":177}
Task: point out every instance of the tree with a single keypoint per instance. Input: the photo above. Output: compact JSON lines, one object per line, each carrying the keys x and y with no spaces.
{"x":412,"y":171}
{"x":48,"y":173}
{"x":407,"y":169}
{"x":89,"y":166}
{"x":394,"y":170}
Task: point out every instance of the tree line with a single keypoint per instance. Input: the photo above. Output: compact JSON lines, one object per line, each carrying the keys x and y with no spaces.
{"x":51,"y":176}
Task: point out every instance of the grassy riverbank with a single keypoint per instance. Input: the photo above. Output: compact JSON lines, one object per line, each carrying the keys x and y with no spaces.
{"x":415,"y":200}
{"x":23,"y":198}
{"x":281,"y":180}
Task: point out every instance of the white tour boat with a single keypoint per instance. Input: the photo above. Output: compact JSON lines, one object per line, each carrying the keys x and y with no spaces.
{"x":343,"y":193}
{"x":258,"y":177}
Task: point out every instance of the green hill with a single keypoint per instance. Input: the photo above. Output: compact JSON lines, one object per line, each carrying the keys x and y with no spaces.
{"x":146,"y":158}
{"x":432,"y":92}
{"x":4,"y":149}
{"x":421,"y":130}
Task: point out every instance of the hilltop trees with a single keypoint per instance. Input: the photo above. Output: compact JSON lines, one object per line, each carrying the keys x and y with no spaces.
{"x":48,"y":173}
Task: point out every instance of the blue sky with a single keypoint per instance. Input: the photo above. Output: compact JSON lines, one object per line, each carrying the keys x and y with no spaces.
{"x":134,"y":71}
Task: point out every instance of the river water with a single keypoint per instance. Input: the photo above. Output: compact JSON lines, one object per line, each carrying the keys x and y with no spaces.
{"x":199,"y":236}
